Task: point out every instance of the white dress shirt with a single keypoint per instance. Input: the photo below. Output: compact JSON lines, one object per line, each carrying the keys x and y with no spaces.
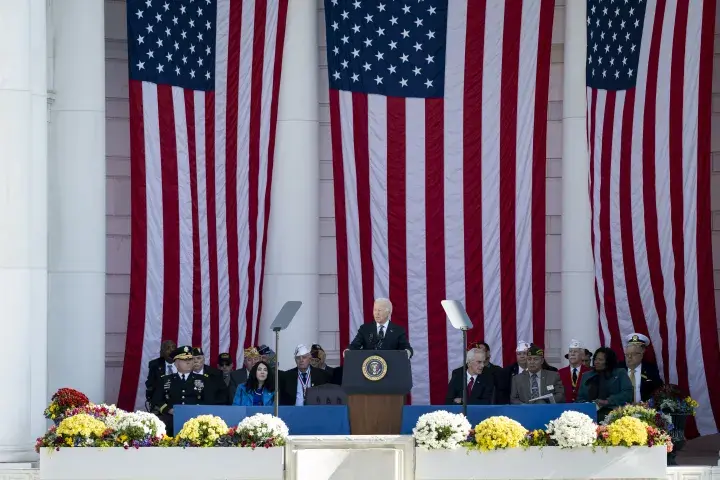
{"x":520,"y":369}
{"x":386,"y":325}
{"x":299,"y":394}
{"x":638,"y":381}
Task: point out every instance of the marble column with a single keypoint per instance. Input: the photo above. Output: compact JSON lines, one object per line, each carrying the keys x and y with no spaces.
{"x":76,"y":264}
{"x":23,"y":223}
{"x":579,"y":309}
{"x":291,"y":269}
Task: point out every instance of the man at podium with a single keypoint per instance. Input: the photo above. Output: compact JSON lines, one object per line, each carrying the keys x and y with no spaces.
{"x":381,"y":334}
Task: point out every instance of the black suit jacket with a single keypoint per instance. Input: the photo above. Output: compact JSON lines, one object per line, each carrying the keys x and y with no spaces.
{"x":650,"y":379}
{"x":216,"y":392}
{"x":367,"y":338}
{"x":288,"y":383}
{"x":156,"y":369}
{"x":482,"y":393}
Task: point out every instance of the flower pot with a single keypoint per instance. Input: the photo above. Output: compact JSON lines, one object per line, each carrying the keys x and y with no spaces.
{"x":157,"y":462}
{"x":677,"y":433}
{"x":541,"y":462}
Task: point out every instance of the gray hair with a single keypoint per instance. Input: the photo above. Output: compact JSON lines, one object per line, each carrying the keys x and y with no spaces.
{"x":476,"y":354}
{"x":387,"y":303}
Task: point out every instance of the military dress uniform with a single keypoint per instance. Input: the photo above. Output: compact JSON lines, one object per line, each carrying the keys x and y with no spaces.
{"x":173,"y":391}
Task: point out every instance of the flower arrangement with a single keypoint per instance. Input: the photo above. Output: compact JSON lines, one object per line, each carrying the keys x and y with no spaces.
{"x":441,"y":430}
{"x":643,"y":412}
{"x":62,"y":401}
{"x":671,"y":399}
{"x":80,"y":430}
{"x":536,"y":438}
{"x":572,"y":430}
{"x":260,"y":430}
{"x":108,"y":414}
{"x":201,"y":431}
{"x":657,"y":436}
{"x":498,"y":432}
{"x":138,"y":429}
{"x":627,"y":432}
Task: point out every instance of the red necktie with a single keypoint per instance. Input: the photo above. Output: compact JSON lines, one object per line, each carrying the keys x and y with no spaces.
{"x":470,"y":385}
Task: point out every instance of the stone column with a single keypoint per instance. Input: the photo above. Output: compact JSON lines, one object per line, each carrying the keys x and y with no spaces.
{"x":579,"y":309}
{"x":76,"y":271}
{"x":291,"y":269}
{"x":23,"y":223}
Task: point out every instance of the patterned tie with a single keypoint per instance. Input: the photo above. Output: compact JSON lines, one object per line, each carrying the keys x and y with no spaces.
{"x":470,"y":385}
{"x":574,"y":376}
{"x":631,"y":374}
{"x":169,"y":370}
{"x":381,"y":333}
{"x":534,"y":389}
{"x":303,"y":375}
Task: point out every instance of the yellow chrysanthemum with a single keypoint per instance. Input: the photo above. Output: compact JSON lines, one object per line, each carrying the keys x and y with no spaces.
{"x":203,"y":430}
{"x":627,"y":431}
{"x":82,"y":425}
{"x":499,"y":432}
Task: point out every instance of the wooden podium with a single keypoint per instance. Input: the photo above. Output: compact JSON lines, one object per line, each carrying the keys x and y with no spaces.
{"x":376,"y":383}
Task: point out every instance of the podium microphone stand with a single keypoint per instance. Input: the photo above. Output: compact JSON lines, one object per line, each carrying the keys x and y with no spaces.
{"x":460,"y":321}
{"x":281,"y":322}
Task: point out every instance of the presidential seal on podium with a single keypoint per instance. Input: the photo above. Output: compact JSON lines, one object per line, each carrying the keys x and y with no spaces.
{"x":374,"y":368}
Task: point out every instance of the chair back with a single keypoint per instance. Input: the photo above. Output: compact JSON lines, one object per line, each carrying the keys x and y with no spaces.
{"x":327,"y":394}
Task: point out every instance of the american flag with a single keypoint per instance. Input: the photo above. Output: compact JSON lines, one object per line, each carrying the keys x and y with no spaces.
{"x":438,"y":117}
{"x":649,"y":74}
{"x":204,"y":82}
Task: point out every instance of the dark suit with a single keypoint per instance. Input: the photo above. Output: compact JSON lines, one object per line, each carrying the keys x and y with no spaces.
{"x":289,"y":383}
{"x":156,"y":369}
{"x":482,"y":392}
{"x":237,"y":377}
{"x":216,"y":392}
{"x":649,"y":378}
{"x":367,"y":338}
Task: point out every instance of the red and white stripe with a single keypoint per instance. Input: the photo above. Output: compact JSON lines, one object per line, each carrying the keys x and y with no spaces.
{"x":650,"y":192}
{"x":445,"y":198}
{"x":200,"y":189}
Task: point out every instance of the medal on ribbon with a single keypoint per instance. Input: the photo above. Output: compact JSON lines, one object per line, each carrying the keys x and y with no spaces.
{"x":305,"y":384}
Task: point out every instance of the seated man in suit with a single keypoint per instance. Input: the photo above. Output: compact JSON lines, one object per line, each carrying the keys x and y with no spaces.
{"x":478,"y":382}
{"x":163,"y":365}
{"x":644,"y":376}
{"x":535,"y":382}
{"x":295,"y":382}
{"x":381,"y":334}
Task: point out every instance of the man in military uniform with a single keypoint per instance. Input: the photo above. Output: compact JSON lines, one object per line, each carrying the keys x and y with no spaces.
{"x":182,"y":388}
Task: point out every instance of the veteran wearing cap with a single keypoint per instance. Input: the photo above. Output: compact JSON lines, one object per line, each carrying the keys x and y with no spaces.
{"x":225,"y":364}
{"x":295,"y":382}
{"x":644,"y":376}
{"x":215,"y":389}
{"x":534,"y":382}
{"x":184,"y":387}
{"x":572,"y":374}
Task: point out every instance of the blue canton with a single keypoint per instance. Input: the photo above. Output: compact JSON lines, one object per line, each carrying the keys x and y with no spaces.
{"x":387,"y":47}
{"x":614,"y":35}
{"x":172,"y":42}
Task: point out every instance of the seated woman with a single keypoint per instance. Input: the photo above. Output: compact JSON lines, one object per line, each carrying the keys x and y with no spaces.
{"x":609,"y":387}
{"x":259,"y":390}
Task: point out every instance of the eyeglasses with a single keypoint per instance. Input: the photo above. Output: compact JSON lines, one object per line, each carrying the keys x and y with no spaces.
{"x":630,"y":355}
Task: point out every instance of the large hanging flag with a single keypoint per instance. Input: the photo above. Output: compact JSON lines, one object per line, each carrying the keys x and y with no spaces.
{"x":204,"y":82}
{"x":649,"y":89}
{"x":438,"y":117}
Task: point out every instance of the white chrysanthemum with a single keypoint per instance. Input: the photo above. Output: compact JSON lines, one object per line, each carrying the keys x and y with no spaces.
{"x":441,"y":430}
{"x":572,"y":430}
{"x":149,"y":423}
{"x":263,"y":426}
